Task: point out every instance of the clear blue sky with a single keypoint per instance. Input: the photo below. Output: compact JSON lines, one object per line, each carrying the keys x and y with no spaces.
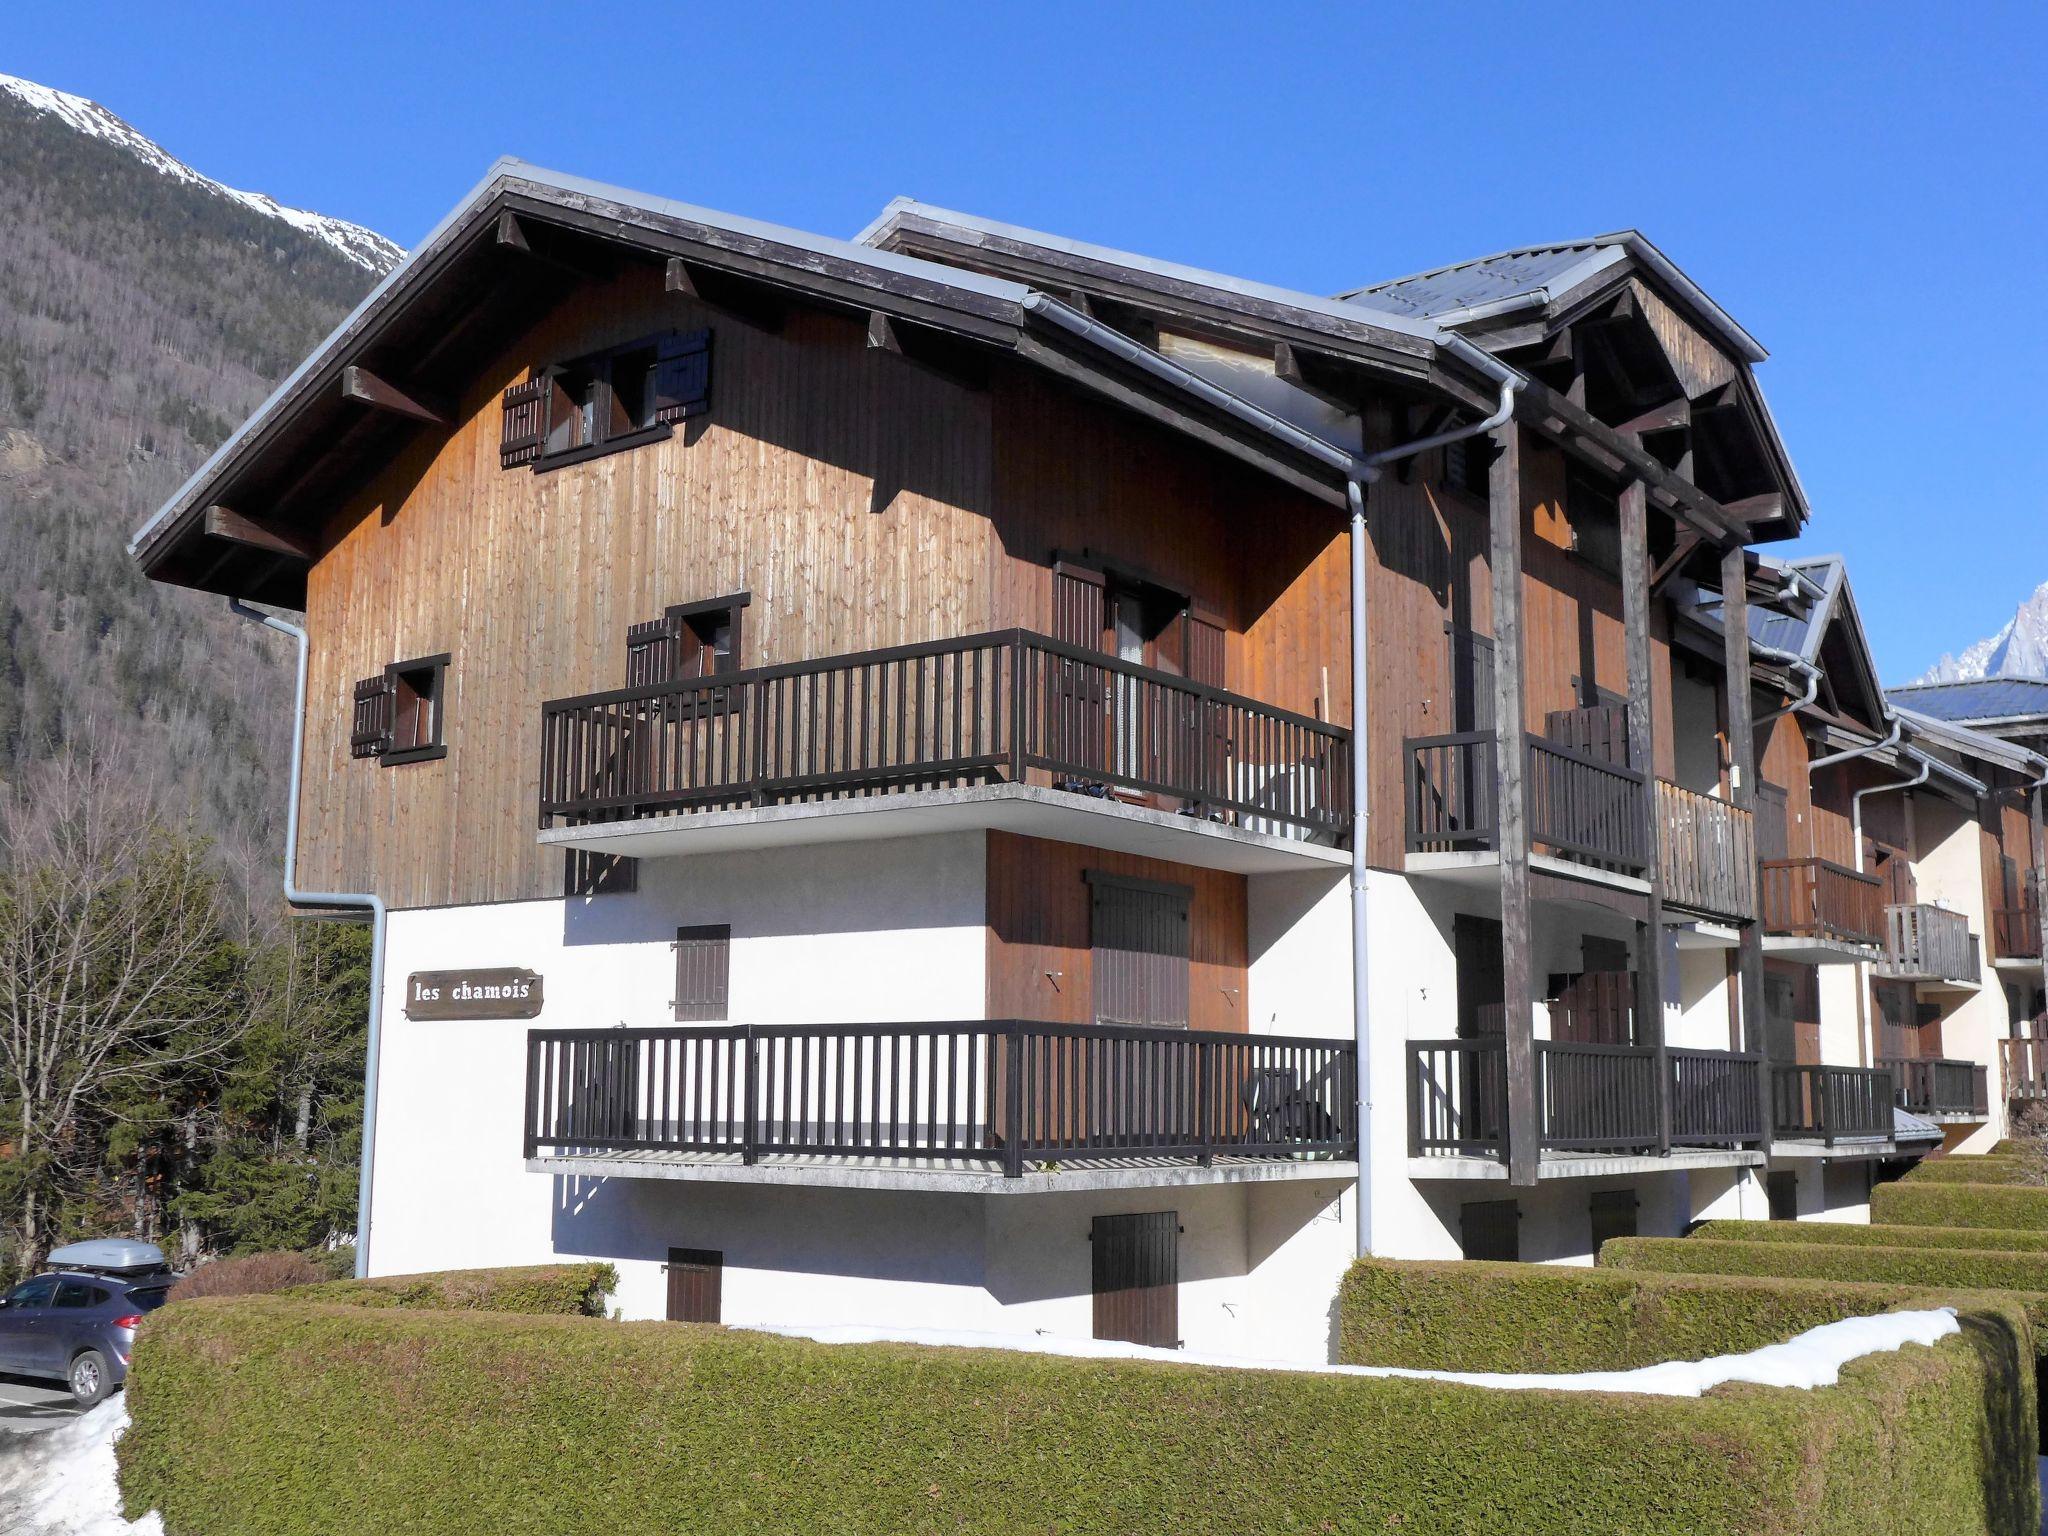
{"x":1862,"y":187}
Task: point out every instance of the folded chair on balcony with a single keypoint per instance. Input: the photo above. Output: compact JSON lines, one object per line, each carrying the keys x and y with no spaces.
{"x":1281,"y":1109}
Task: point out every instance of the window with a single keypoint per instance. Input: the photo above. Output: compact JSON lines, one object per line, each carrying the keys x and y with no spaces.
{"x":1141,"y":957}
{"x":76,"y":1293}
{"x":1491,"y":1229}
{"x":1467,"y":463}
{"x":33,"y":1293}
{"x":399,"y":713}
{"x":689,"y":640}
{"x":1594,"y":513}
{"x":1612,"y":1213}
{"x":703,"y":970}
{"x":606,"y":401}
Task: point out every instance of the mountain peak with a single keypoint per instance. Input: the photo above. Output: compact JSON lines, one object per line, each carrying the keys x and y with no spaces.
{"x":2018,"y":650}
{"x":364,"y":247}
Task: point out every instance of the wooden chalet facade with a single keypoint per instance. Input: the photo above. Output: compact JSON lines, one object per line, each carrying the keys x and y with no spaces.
{"x":902,"y":693}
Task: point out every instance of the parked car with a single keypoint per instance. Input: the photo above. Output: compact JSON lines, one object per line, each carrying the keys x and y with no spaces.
{"x":76,"y":1322}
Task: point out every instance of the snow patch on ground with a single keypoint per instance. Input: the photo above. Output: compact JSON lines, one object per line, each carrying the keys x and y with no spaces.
{"x":61,"y":1482}
{"x":1812,"y":1359}
{"x":365,"y":247}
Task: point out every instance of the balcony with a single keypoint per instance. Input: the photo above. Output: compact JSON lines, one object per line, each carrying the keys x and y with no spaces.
{"x":1817,"y":910}
{"x":1832,"y":1105}
{"x":1002,"y":729}
{"x":1941,"y":1087}
{"x":976,"y":1105}
{"x":1706,"y":851}
{"x":1599,"y":1099}
{"x":1582,"y":809}
{"x":2025,"y":1064}
{"x":1930,"y":945}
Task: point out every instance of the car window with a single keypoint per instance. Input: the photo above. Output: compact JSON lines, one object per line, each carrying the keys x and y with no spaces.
{"x":33,"y":1293}
{"x":76,"y":1293}
{"x":147,"y":1298}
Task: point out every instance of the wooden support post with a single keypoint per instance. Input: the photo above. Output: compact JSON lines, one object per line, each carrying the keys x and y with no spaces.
{"x":1642,"y":753}
{"x":366,"y":388}
{"x":1504,"y":509}
{"x":1749,"y":955}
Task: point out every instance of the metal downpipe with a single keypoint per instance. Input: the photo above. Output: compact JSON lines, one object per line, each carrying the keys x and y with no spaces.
{"x":366,"y":900}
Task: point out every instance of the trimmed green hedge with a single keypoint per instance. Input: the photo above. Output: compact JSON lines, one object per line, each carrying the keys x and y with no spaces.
{"x":557,"y":1289}
{"x":1971,"y":1170}
{"x":1857,"y":1235}
{"x":2010,"y":1207}
{"x":1462,"y":1315}
{"x":1954,"y":1268}
{"x":279,"y":1416}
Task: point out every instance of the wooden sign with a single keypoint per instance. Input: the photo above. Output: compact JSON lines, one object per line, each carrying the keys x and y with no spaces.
{"x":510,"y":993}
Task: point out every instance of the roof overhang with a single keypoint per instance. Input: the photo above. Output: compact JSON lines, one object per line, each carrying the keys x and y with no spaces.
{"x":467,"y":284}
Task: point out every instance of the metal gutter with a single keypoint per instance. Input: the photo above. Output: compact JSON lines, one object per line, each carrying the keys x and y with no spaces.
{"x":364,"y":900}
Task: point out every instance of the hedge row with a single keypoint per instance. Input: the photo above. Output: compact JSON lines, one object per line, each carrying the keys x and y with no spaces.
{"x":282,"y":1416}
{"x":1472,"y":1316}
{"x":546,"y":1289}
{"x":1856,"y":1234}
{"x":1973,"y":1170}
{"x":1956,"y":1268}
{"x":2009,"y":1207}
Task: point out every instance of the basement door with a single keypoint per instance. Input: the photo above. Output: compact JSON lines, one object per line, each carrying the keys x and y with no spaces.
{"x":1136,"y":1260}
{"x":696,"y":1285}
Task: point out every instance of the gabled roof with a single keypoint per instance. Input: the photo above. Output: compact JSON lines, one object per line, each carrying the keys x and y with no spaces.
{"x":1963,"y":740}
{"x":1816,"y":624}
{"x":1981,"y":702}
{"x":285,"y":461}
{"x":1534,"y":275}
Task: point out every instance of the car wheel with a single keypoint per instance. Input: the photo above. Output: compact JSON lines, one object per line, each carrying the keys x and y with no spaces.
{"x":88,"y":1378}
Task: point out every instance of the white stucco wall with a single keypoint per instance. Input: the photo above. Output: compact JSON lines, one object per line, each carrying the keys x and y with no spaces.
{"x":1948,"y":867}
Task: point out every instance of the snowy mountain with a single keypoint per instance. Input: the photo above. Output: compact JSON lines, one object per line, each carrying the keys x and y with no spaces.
{"x":366,"y":248}
{"x":2018,"y":650}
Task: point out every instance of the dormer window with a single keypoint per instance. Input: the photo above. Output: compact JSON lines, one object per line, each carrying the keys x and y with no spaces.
{"x":609,"y":400}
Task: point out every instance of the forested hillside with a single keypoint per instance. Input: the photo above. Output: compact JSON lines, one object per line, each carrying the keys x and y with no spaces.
{"x":142,"y":315}
{"x":175,"y":1060}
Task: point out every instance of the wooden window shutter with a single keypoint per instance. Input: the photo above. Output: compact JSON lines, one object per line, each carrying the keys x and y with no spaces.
{"x":1205,"y":649}
{"x":526,"y":423}
{"x":1135,"y":1261}
{"x":1597,"y":730}
{"x":1077,"y":605}
{"x":1141,"y":952}
{"x":1491,"y":1229}
{"x":653,"y":652}
{"x":1472,"y":679}
{"x":703,"y":964}
{"x":682,"y":376}
{"x":370,"y":731}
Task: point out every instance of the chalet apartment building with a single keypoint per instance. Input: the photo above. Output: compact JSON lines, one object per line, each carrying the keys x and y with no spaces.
{"x":963,"y":778}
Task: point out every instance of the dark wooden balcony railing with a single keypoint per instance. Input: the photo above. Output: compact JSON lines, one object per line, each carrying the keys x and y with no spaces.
{"x":948,"y":712}
{"x":1925,"y":943}
{"x":1832,"y":1104}
{"x":1579,"y":806}
{"x":1932,"y":1085}
{"x":1819,"y":899}
{"x":1002,"y":1091}
{"x":2016,"y":931}
{"x":1591,"y":1098}
{"x":2025,"y":1064}
{"x":1707,"y":852}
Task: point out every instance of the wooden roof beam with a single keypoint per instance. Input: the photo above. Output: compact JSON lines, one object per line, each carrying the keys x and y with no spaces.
{"x":960,"y":363}
{"x":1669,"y":416}
{"x":1293,"y":365}
{"x":255,"y":533}
{"x":366,"y":388}
{"x":1549,"y":412}
{"x":719,"y":292}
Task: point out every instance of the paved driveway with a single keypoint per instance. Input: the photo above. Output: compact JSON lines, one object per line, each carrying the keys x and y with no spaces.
{"x":28,"y":1405}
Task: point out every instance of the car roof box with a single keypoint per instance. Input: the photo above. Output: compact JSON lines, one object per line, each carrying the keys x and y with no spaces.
{"x":110,"y":1256}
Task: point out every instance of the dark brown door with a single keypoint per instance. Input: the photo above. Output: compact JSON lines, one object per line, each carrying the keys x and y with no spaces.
{"x":1476,"y":942}
{"x":1781,"y":1193}
{"x":695,"y":1285}
{"x":1137,"y":1278}
{"x":1612,"y":1213}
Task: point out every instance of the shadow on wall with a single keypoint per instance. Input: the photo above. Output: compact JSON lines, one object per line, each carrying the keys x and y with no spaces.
{"x":1036,"y":1250}
{"x":896,"y":884}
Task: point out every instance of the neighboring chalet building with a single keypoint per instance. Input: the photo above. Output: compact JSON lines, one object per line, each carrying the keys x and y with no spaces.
{"x":856,"y":744}
{"x":2013,"y":711}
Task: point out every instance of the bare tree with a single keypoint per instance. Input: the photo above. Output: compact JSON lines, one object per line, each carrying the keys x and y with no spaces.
{"x":112,"y":984}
